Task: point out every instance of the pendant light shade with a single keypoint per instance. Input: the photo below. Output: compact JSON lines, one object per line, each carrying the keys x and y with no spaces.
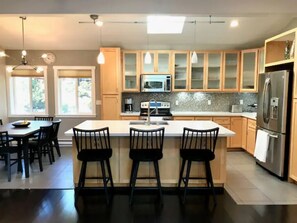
{"x":147,"y":58}
{"x":194,"y":58}
{"x":100,"y":58}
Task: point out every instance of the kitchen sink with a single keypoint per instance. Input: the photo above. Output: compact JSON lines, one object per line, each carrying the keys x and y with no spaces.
{"x":152,"y":123}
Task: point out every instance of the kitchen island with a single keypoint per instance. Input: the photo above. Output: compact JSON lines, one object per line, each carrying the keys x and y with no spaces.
{"x":169,"y":164}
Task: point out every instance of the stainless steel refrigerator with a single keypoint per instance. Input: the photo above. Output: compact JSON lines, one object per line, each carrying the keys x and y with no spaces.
{"x":273,"y":117}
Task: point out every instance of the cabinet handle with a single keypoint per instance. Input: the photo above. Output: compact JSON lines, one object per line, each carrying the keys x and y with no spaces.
{"x":273,"y":136}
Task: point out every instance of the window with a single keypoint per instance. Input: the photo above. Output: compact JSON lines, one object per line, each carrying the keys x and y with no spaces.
{"x":27,"y":92}
{"x":75,"y":91}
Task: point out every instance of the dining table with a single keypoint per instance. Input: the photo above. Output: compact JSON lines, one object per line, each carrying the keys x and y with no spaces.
{"x":21,"y":131}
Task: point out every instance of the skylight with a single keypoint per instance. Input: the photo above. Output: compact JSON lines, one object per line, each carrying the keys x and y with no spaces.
{"x":165,"y":24}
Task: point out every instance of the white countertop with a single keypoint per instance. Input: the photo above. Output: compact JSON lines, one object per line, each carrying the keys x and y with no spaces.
{"x":174,"y":128}
{"x":251,"y":115}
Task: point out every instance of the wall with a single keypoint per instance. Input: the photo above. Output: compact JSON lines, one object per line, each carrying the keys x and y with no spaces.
{"x":63,"y":58}
{"x":196,"y":101}
{"x":3,"y":110}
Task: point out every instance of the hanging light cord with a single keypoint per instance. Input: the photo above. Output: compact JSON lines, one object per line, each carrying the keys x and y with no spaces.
{"x":23,"y":31}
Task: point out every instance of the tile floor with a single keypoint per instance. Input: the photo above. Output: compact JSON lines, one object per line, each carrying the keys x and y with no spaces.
{"x":247,"y":183}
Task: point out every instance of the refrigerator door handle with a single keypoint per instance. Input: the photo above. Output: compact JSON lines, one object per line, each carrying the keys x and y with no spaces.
{"x":273,"y":136}
{"x":266,"y":100}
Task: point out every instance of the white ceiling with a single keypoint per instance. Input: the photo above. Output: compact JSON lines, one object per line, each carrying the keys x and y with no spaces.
{"x":63,"y":31}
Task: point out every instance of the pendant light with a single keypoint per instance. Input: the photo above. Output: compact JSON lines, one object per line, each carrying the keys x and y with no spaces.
{"x":100,"y":57}
{"x":194,"y":58}
{"x":24,"y":61}
{"x":147,"y":57}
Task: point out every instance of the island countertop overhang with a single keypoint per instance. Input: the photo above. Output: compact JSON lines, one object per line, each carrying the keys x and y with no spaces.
{"x":173,"y":129}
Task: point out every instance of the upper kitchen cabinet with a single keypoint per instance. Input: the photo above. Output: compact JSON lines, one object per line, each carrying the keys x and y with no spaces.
{"x":280,"y":49}
{"x":110,"y":71}
{"x":261,"y":62}
{"x":214,"y":71}
{"x":160,"y":62}
{"x":197,"y":73}
{"x":231,"y":61}
{"x":180,"y":70}
{"x":110,"y":79}
{"x":131,"y":71}
{"x":249,"y":70}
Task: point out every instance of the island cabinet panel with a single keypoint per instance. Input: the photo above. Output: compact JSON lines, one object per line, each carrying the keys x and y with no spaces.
{"x":169,"y":165}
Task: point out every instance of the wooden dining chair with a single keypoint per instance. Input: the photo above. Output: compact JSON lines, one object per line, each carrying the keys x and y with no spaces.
{"x":6,"y":149}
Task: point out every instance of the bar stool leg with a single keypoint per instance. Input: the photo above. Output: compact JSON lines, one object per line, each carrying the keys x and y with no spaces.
{"x":187,"y":179}
{"x":181,"y":173}
{"x":156,"y":165}
{"x":131,"y":175}
{"x":209,"y":176}
{"x":109,"y":173}
{"x":104,"y":180}
{"x":133,"y":183}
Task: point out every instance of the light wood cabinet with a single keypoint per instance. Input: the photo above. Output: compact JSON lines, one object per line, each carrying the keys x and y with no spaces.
{"x":236,"y":126}
{"x":261,"y":62}
{"x":126,"y":117}
{"x":180,"y":65}
{"x":225,"y":122}
{"x":110,"y":71}
{"x":203,"y":118}
{"x":198,"y":73}
{"x":214,"y":71}
{"x":249,"y":70}
{"x":243,"y":133}
{"x":110,"y":80}
{"x":293,"y":146}
{"x":231,"y":62}
{"x":160,"y":62}
{"x":183,"y":118}
{"x":110,"y":107}
{"x":131,"y":71}
{"x":251,"y":136}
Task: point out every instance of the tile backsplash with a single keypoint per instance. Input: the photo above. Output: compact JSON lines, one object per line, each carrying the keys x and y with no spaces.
{"x":198,"y":101}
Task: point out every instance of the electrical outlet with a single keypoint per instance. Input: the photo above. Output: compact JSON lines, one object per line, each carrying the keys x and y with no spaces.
{"x":209,"y":102}
{"x":241,"y":102}
{"x":176,"y":102}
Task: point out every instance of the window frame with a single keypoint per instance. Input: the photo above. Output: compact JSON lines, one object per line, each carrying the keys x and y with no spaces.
{"x":57,"y":90}
{"x":10,"y":88}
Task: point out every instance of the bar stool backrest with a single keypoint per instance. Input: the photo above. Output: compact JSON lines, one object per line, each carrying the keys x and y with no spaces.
{"x":1,"y":123}
{"x":146,"y":139}
{"x":200,"y":139}
{"x":91,"y":139}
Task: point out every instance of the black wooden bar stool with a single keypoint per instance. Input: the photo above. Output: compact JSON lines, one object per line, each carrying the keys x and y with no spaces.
{"x":93,"y":146}
{"x":145,"y":146}
{"x":197,"y":146}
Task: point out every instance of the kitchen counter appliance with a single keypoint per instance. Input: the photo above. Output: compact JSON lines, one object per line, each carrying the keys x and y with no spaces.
{"x":273,"y":117}
{"x":163,"y":109}
{"x":155,"y":83}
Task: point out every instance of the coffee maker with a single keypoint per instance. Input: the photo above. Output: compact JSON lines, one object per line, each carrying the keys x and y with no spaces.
{"x":128,"y":105}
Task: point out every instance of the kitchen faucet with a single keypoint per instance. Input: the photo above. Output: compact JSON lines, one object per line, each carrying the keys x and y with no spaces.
{"x":148,"y":120}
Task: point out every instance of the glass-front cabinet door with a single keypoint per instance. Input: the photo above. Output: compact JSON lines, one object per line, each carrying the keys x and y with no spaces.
{"x":131,"y":71}
{"x":231,"y":71}
{"x":180,"y":70}
{"x":214,"y":71}
{"x":249,"y":70}
{"x":197,"y":73}
{"x":160,"y":62}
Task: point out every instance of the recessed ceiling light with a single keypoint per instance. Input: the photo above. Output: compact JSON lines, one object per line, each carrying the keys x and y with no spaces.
{"x":234,"y":23}
{"x":165,"y":24}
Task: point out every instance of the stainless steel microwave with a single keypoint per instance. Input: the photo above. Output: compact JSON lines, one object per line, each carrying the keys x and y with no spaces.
{"x":155,"y":83}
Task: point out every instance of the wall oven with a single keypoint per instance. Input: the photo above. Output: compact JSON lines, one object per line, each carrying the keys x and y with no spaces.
{"x":155,"y":83}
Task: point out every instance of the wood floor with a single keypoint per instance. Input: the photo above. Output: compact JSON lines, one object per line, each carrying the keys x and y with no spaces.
{"x":49,"y":205}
